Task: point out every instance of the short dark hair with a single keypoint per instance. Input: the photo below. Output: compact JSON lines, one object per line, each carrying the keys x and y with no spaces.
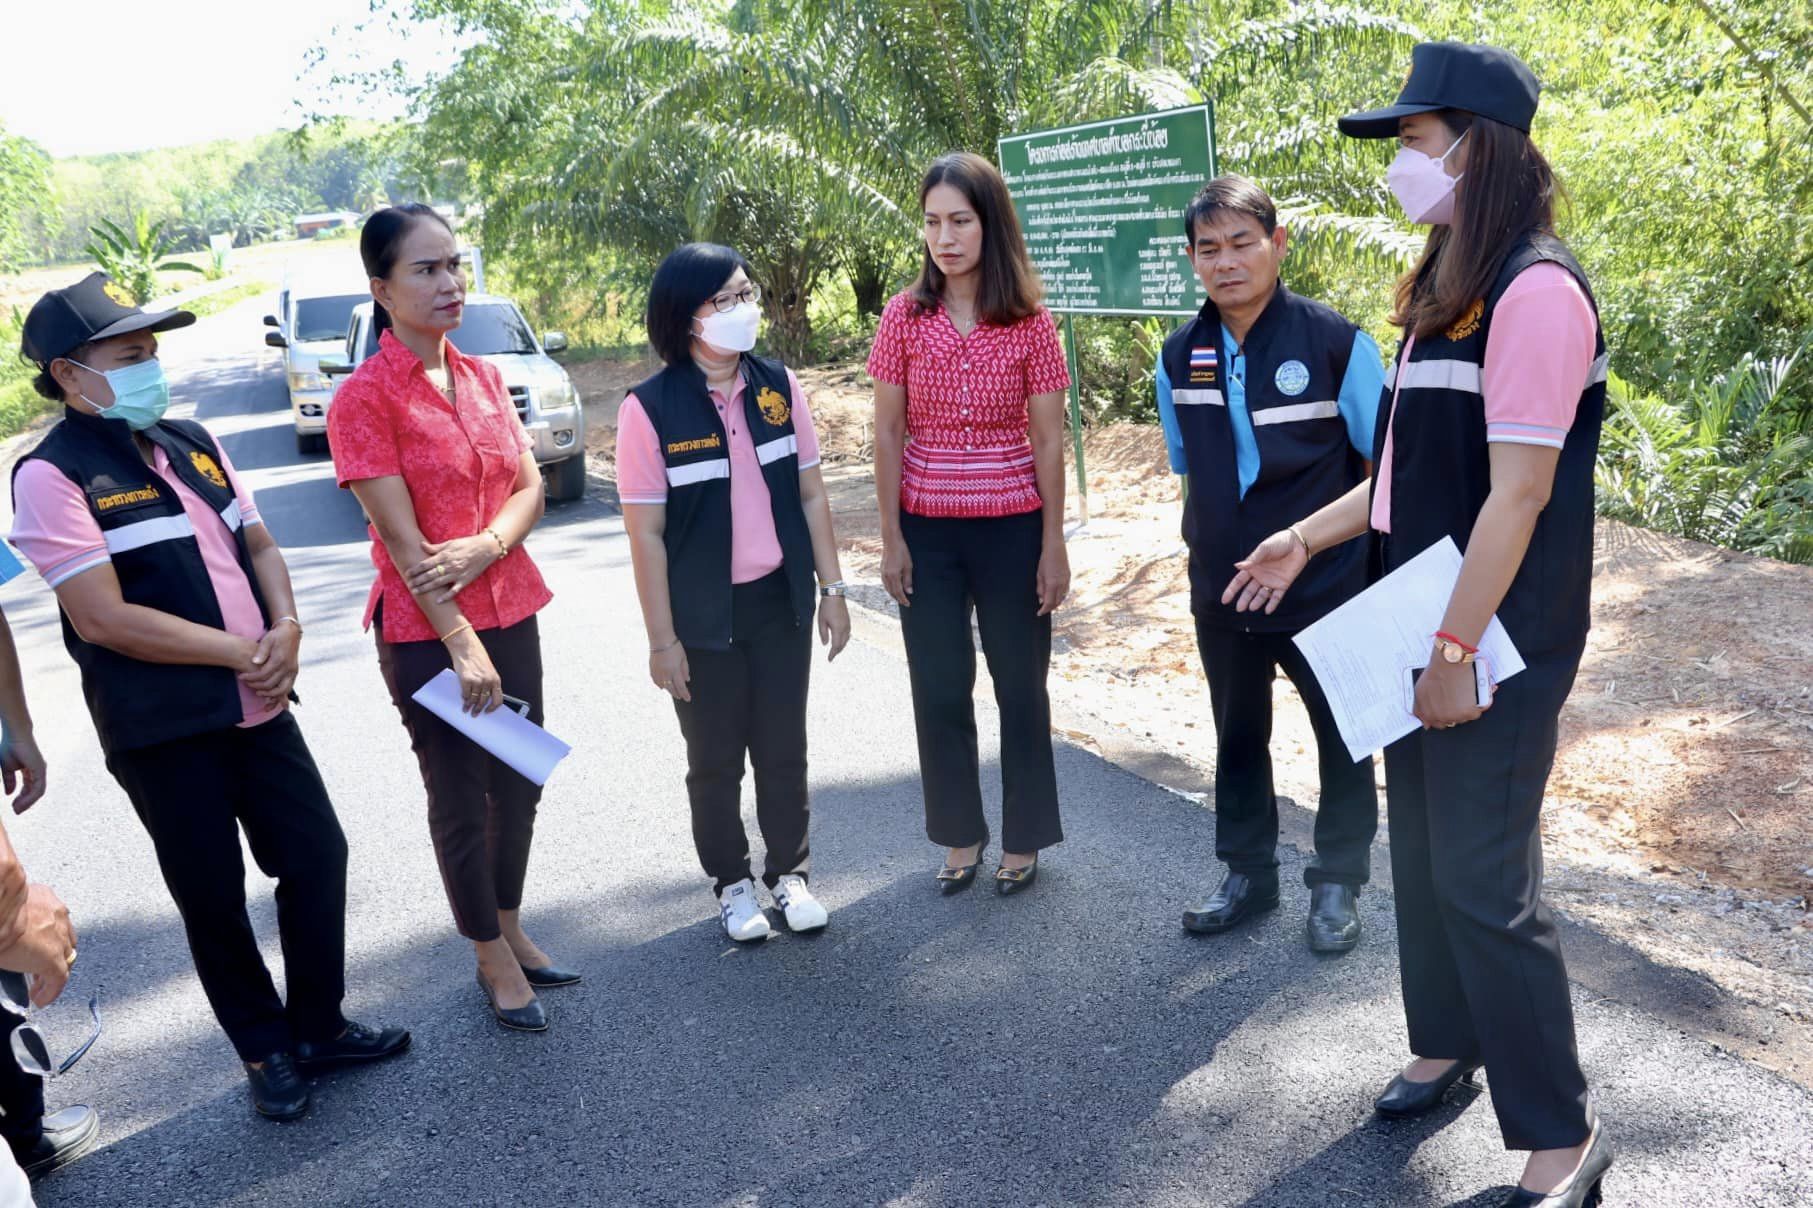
{"x":1009,"y":289}
{"x":47,"y":386}
{"x":381,"y":242}
{"x":1230,"y":194}
{"x":689,"y":275}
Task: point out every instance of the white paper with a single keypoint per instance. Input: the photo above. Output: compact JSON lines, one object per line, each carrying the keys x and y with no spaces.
{"x":519,"y":742}
{"x":1362,"y":650}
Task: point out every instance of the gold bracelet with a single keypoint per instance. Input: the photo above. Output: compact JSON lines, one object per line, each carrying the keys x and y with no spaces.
{"x":462,"y":627}
{"x":503,"y":547}
{"x":1301,"y":540}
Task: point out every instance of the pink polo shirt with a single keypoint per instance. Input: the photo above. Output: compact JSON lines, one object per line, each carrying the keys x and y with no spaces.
{"x":1539,"y":357}
{"x":53,"y":527}
{"x":755,"y":548}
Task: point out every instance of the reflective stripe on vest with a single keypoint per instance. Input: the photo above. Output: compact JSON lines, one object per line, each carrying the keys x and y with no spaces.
{"x":1439,"y":375}
{"x":1296,"y":412}
{"x":1198,"y":397}
{"x":779,"y":447}
{"x":141,"y":533}
{"x":698,"y":471}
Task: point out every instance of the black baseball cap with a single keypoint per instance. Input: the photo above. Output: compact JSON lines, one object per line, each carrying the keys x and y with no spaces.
{"x":1482,"y":80}
{"x":94,"y":308}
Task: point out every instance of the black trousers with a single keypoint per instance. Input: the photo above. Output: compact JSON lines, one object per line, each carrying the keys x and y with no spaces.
{"x":1481,"y":963}
{"x":750,"y":701}
{"x":21,"y":1094}
{"x":1240,"y":668}
{"x":988,"y":567}
{"x":481,"y":811}
{"x":194,"y":795}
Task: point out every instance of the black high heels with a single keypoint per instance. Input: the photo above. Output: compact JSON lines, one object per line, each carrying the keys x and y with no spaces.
{"x":532,"y":1017}
{"x":550,"y":975}
{"x":1583,"y":1190}
{"x":953,"y":879}
{"x":1406,"y":1098}
{"x":1013,"y":880}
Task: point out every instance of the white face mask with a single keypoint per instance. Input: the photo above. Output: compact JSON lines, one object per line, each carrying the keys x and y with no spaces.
{"x":1421,"y":185}
{"x":732,"y":330}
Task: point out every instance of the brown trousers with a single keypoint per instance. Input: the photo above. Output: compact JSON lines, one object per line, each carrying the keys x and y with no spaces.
{"x":481,"y":813}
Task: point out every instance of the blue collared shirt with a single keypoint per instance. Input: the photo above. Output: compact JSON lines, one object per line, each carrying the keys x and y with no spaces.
{"x":1358,"y":402}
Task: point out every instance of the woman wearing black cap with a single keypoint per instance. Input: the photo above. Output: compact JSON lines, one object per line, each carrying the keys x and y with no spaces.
{"x":1488,"y":428}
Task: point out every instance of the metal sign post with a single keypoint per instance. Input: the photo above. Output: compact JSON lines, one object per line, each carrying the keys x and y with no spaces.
{"x":1100,"y":204}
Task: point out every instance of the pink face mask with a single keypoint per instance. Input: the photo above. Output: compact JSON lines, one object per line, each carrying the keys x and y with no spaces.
{"x":1421,"y":186}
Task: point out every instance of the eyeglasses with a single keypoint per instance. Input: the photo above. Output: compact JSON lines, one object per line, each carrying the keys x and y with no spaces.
{"x":30,"y":1049}
{"x":749,"y":293}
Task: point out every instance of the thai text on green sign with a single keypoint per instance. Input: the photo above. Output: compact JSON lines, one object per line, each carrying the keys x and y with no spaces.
{"x":1101,"y":206}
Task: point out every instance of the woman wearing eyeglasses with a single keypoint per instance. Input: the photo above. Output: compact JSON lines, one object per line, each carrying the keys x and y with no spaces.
{"x":717,"y":467}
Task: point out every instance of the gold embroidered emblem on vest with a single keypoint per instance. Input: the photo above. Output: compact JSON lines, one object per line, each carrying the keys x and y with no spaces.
{"x":1468,"y":323}
{"x":205,"y":466}
{"x":774,"y":407}
{"x":116,"y":293}
{"x":121,"y":499}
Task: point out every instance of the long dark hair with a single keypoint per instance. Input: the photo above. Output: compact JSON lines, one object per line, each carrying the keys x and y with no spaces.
{"x":1508,"y":188}
{"x":1010,"y":288}
{"x":381,"y":242}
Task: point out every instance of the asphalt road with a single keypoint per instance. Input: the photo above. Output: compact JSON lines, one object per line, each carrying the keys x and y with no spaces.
{"x":1068,"y":1047}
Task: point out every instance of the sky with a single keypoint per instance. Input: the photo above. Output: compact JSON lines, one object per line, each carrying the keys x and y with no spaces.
{"x":88,"y":76}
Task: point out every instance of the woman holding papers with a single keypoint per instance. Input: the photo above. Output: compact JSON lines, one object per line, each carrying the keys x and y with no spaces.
{"x":969,"y":475}
{"x":1488,"y":429}
{"x":430,"y":444}
{"x":717,"y":465}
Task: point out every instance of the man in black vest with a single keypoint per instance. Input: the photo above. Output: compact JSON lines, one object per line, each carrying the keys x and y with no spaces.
{"x":176,"y":606}
{"x":1268,"y":400}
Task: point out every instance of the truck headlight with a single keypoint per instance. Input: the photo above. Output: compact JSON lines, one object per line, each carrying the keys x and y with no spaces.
{"x":305,"y":383}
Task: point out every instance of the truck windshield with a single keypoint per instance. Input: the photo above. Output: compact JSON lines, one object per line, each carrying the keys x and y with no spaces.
{"x":325,"y":318}
{"x":492,"y":329}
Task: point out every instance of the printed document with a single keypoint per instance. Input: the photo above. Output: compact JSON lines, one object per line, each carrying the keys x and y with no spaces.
{"x":1362,"y":651}
{"x":519,"y":742}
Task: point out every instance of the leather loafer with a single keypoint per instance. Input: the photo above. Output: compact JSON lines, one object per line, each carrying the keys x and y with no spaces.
{"x":1239,"y":897}
{"x":1334,"y":918}
{"x":1406,"y":1098}
{"x":356,"y":1044}
{"x":278,"y":1091}
{"x":66,"y":1136}
{"x":530,"y":1018}
{"x":551,"y":975}
{"x":1583,"y":1190}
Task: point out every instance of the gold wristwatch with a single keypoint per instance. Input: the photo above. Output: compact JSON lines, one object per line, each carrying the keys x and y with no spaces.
{"x":1453,"y":652}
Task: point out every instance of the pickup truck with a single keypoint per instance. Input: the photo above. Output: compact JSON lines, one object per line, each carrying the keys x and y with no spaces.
{"x":493,"y":329}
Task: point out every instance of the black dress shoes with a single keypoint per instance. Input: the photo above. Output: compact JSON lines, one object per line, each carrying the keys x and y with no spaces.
{"x":1406,"y":1098}
{"x":1015,"y":880}
{"x":356,"y":1044}
{"x":1334,"y":918}
{"x":66,"y":1136}
{"x":278,"y":1091}
{"x":550,"y":975}
{"x":1239,"y":897}
{"x":530,"y":1018}
{"x":954,"y":877}
{"x":1582,"y":1190}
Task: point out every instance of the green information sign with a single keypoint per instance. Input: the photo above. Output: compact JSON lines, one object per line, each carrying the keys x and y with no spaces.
{"x":1100,"y":205}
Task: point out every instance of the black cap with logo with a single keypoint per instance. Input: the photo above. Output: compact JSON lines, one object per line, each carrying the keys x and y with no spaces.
{"x":1481,"y":80}
{"x":94,"y":308}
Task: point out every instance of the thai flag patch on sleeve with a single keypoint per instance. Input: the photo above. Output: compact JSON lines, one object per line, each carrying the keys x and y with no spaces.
{"x":1203,"y":358}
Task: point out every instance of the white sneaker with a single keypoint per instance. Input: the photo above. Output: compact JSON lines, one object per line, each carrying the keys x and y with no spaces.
{"x":803,"y":911}
{"x":741,"y":914}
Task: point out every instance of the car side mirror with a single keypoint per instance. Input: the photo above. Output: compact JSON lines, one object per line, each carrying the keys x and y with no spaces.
{"x":270,"y":321}
{"x":333,"y":368}
{"x":274,"y":339}
{"x":554,"y":341}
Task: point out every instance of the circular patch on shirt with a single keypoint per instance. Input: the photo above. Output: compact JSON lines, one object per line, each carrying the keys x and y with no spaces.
{"x":1292,"y":377}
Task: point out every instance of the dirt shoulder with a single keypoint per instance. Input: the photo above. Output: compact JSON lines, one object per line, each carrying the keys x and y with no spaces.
{"x":1677,"y":821}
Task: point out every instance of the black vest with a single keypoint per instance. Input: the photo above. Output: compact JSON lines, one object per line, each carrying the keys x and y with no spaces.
{"x":696,"y":448}
{"x":1296,"y":358}
{"x":1441,"y":472}
{"x":152,"y":544}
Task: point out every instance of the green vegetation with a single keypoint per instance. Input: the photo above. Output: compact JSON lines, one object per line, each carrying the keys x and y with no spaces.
{"x":134,"y":258}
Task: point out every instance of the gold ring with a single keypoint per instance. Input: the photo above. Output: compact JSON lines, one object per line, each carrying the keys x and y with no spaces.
{"x":440,"y":568}
{"x":71,"y":960}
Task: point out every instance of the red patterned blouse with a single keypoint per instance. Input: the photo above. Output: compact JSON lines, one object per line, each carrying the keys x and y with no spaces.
{"x":967,"y":452}
{"x":459,"y":462}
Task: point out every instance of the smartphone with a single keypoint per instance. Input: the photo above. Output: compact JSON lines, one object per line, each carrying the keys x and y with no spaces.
{"x":1482,"y":685}
{"x":516,"y":705}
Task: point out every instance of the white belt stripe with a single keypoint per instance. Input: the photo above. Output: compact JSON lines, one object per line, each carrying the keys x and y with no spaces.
{"x":141,"y":533}
{"x":1440,"y":375}
{"x":1326,"y":409}
{"x":1186,"y":398}
{"x":698,"y":471}
{"x":779,"y":447}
